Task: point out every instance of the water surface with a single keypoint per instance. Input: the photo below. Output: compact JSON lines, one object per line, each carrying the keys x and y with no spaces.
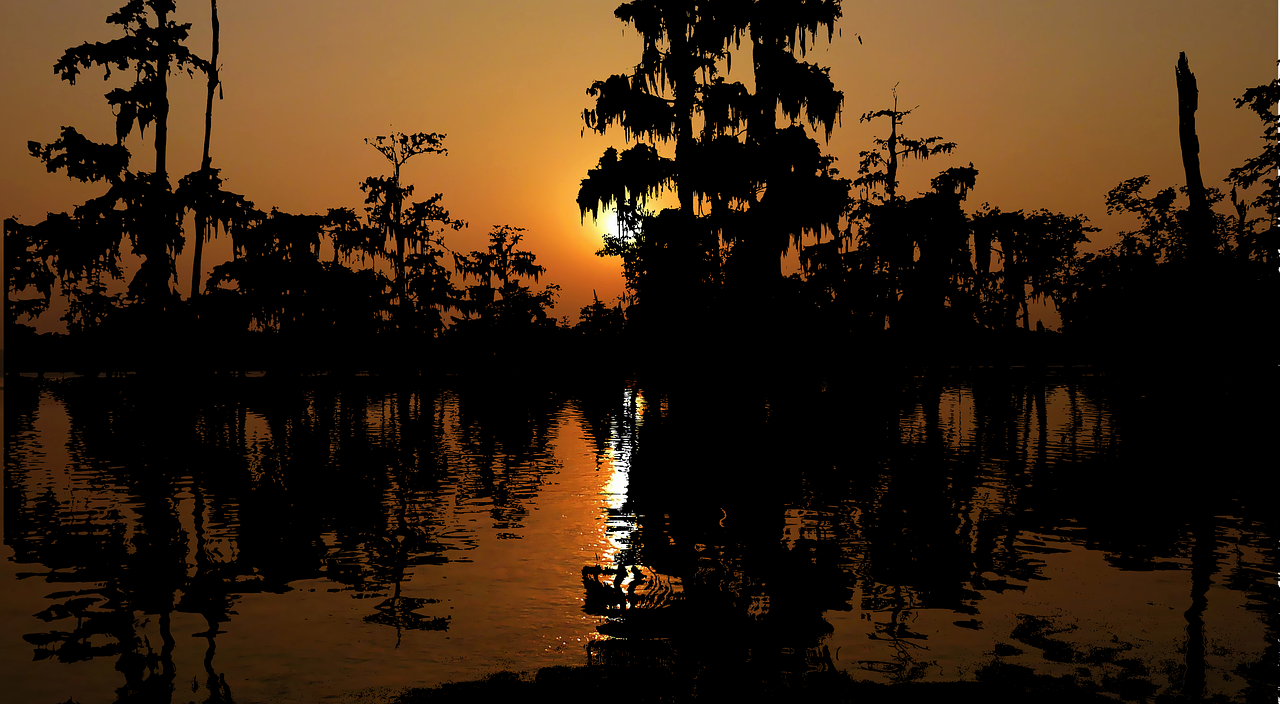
{"x":323,"y":540}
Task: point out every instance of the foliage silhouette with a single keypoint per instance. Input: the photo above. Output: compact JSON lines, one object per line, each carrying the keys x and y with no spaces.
{"x":765,"y":186}
{"x":1206,"y":272}
{"x":1038,"y":253}
{"x":328,"y":472}
{"x":878,"y":168}
{"x":600,"y":322}
{"x":28,"y":250}
{"x":420,"y":287}
{"x":1262,"y":100}
{"x":508,"y":311}
{"x":152,"y":52}
{"x":708,"y":271}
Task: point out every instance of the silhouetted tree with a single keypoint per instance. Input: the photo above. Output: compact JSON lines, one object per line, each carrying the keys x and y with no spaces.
{"x":685,"y":259}
{"x":85,"y":246}
{"x":923,"y":263}
{"x":891,"y":230}
{"x":1263,"y":168}
{"x":27,"y":266}
{"x":278,"y":284}
{"x":274,"y":268}
{"x":1124,"y":279}
{"x":1167,"y":233}
{"x":281,"y":286}
{"x":765,"y":186}
{"x":600,"y":322}
{"x":790,"y":187}
{"x":410,"y":228}
{"x":1188,"y":270}
{"x":498,"y":297}
{"x":878,"y":168}
{"x":939,"y":292}
{"x":1037,"y":255}
{"x":152,"y":52}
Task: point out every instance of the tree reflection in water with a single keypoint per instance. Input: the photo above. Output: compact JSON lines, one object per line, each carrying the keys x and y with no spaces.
{"x":886,"y":507}
{"x":343,"y":484}
{"x":872,"y":529}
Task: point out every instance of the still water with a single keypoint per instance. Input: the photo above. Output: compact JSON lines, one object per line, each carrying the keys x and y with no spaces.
{"x":339,"y":541}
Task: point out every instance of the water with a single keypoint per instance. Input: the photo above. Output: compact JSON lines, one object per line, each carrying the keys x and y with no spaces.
{"x":324,"y":541}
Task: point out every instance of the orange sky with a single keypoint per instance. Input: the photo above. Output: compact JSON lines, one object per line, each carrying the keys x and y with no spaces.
{"x":1054,"y":102}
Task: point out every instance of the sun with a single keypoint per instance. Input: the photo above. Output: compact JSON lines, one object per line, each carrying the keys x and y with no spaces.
{"x":604,"y":226}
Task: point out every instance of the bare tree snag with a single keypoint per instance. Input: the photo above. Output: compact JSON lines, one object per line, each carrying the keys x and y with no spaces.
{"x":1198,"y":237}
{"x":203,"y":221}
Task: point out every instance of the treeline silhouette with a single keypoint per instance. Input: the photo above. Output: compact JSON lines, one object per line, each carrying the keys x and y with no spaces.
{"x":380,"y":299}
{"x":915,"y":270}
{"x":880,"y":270}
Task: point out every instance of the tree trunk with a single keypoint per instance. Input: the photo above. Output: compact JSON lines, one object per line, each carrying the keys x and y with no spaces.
{"x":757,"y":268}
{"x":1199,"y":238}
{"x":762,"y":124}
{"x":681,"y":70}
{"x":151,"y":283}
{"x":162,"y":103}
{"x":683,"y":77}
{"x":891,"y":182}
{"x":202,"y":219}
{"x":397,"y":231}
{"x":401,"y":293}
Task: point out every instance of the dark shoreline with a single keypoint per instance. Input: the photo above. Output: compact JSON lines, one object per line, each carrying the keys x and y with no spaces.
{"x":794,"y":354}
{"x":995,"y":682}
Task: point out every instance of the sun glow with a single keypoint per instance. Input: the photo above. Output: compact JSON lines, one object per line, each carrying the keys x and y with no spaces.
{"x":606,"y":224}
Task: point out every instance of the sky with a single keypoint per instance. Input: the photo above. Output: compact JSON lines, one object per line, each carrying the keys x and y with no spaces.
{"x":1054,"y":102}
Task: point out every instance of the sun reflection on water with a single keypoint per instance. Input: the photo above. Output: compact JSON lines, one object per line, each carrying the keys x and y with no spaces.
{"x":620,"y":522}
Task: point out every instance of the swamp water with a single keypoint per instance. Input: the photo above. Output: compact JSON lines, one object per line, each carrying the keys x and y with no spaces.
{"x":323,"y":541}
